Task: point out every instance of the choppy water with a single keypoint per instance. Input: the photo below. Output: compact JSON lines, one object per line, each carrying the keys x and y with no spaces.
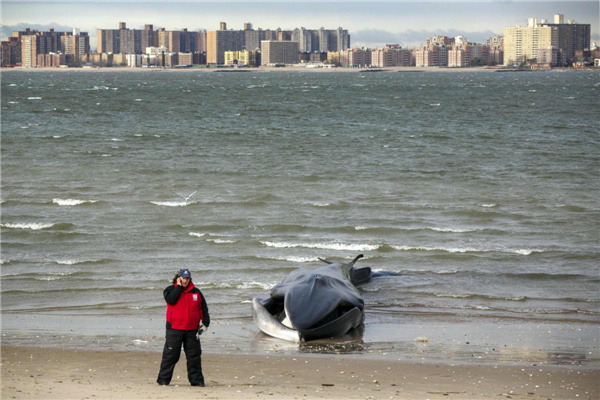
{"x":480,"y":188}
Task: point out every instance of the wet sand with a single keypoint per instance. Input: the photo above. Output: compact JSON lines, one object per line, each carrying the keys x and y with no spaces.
{"x":55,"y":373}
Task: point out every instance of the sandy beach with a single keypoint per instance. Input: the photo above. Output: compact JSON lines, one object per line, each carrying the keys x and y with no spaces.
{"x":42,"y":373}
{"x":263,"y":69}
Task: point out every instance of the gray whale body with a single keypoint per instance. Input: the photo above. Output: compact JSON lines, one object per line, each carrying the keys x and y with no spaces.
{"x":314,"y":304}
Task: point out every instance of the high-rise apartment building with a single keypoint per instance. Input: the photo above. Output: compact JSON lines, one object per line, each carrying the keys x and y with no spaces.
{"x":76,"y":44}
{"x":11,"y":52}
{"x":171,"y":40}
{"x":321,"y":40}
{"x":552,"y":56}
{"x":125,"y":40}
{"x":522,"y":43}
{"x":432,"y":56}
{"x":32,"y":45}
{"x":459,"y":57}
{"x":569,"y":37}
{"x":495,"y":41}
{"x":218,"y":42}
{"x":148,"y":38}
{"x":279,"y":52}
{"x":356,"y":57}
{"x":439,"y":40}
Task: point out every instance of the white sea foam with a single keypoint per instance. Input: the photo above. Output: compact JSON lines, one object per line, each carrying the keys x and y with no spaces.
{"x":34,"y":98}
{"x":524,"y":252}
{"x":72,"y":202}
{"x":196,"y":234}
{"x":138,"y":134}
{"x":56,"y":137}
{"x":3,"y":262}
{"x":48,"y":278}
{"x":236,"y":285}
{"x":13,"y":102}
{"x":456,"y":296}
{"x":220,"y":241}
{"x":426,"y":248}
{"x":173,"y":203}
{"x":489,"y":205}
{"x":361,"y":228}
{"x":105,"y":155}
{"x":116,"y":140}
{"x":452,"y":230}
{"x":435,"y":104}
{"x":295,"y":259}
{"x":13,"y":84}
{"x":324,"y":246}
{"x":73,"y":262}
{"x":320,"y":204}
{"x":138,"y":99}
{"x":33,"y":226}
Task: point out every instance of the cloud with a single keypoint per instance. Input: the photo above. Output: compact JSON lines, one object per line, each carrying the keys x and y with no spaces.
{"x":409,"y":38}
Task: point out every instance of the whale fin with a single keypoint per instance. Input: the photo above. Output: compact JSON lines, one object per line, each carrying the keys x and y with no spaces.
{"x":356,"y":259}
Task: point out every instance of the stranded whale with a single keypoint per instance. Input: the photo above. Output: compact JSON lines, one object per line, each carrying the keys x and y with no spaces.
{"x":314,"y":304}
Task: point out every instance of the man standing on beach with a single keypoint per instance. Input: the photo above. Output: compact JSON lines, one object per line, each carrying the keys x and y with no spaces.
{"x":187,"y":319}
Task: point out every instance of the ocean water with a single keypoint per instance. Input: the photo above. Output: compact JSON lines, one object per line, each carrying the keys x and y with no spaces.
{"x":480,"y":188}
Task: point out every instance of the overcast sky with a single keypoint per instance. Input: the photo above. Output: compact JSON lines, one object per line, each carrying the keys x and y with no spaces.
{"x":369,"y":23}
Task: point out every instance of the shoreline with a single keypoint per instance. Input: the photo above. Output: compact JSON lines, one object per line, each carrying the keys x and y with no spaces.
{"x":63,"y":373}
{"x":295,"y":69}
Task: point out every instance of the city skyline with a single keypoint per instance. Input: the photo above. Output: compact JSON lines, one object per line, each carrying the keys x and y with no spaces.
{"x":370,"y":25}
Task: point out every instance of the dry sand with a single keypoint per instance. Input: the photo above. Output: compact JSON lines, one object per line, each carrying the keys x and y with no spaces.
{"x":52,"y":373}
{"x":260,"y":69}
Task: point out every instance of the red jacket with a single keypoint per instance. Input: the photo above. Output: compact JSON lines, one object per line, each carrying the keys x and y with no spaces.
{"x":186,"y":308}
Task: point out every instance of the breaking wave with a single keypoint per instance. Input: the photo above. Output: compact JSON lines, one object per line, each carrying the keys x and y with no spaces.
{"x":33,"y":226}
{"x":524,"y":252}
{"x":74,"y":262}
{"x":72,"y":202}
{"x":324,"y":246}
{"x":294,"y":259}
{"x":220,"y":241}
{"x":173,"y":203}
{"x":236,"y":285}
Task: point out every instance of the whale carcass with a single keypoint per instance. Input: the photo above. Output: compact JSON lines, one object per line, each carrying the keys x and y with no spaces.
{"x":314,"y":304}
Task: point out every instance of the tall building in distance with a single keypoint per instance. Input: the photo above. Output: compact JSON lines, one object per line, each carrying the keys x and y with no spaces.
{"x":218,"y":42}
{"x":321,"y":40}
{"x":569,"y":37}
{"x":148,"y":37}
{"x":125,"y":40}
{"x":11,"y":52}
{"x":279,"y":52}
{"x":77,"y":44}
{"x":522,"y":43}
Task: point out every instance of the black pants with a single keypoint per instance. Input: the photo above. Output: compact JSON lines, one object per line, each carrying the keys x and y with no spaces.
{"x":172,"y":351}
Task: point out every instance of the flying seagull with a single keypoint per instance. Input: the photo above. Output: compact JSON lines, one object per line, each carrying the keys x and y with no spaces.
{"x":188,"y":197}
